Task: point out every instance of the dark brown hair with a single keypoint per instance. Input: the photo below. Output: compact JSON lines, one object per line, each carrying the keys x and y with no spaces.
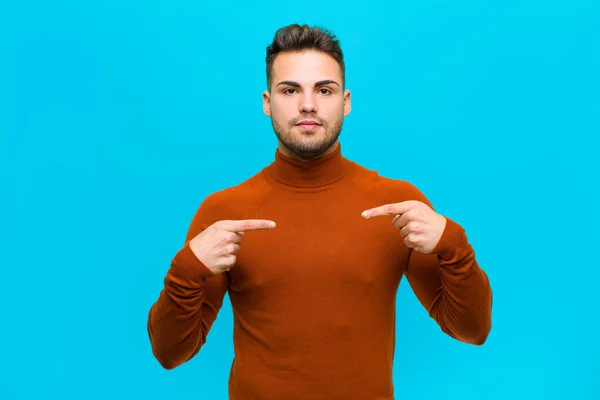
{"x":302,"y":37}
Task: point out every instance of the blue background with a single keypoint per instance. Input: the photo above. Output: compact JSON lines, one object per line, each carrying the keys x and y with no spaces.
{"x":118,"y":117}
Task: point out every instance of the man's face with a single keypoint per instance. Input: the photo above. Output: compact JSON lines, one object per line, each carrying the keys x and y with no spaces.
{"x":306,"y":102}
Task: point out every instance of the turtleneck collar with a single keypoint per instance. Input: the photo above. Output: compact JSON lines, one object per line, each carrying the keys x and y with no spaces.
{"x":321,"y":172}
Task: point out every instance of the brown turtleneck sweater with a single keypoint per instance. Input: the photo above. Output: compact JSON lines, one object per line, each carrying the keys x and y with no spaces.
{"x":314,"y":298}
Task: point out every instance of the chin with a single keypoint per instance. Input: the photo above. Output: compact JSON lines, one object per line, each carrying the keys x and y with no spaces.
{"x":308,"y":147}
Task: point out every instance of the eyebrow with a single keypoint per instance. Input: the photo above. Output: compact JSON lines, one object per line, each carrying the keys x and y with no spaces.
{"x":320,"y":83}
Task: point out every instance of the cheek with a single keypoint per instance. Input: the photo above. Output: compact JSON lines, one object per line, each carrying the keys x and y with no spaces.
{"x":333,"y":112}
{"x":283,"y":111}
{"x":333,"y":106}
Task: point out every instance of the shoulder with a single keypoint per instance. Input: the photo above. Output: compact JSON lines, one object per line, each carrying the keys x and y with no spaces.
{"x":387,"y":189}
{"x":229,"y":203}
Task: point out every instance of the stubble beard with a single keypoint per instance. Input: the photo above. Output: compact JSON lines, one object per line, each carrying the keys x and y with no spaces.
{"x":308,"y":144}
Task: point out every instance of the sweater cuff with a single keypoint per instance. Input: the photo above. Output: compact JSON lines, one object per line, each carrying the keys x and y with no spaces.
{"x":453,"y":241}
{"x":186,"y":265}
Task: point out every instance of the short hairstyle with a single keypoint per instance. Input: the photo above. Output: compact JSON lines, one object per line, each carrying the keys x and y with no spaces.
{"x":302,"y":37}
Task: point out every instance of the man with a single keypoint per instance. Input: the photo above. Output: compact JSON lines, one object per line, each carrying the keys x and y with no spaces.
{"x":311,"y":251}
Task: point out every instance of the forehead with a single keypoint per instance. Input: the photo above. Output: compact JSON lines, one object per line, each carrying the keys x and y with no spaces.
{"x":305,"y":67}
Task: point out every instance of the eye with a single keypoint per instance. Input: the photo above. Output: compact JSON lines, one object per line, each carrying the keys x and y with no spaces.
{"x":324,"y":91}
{"x":289,"y":91}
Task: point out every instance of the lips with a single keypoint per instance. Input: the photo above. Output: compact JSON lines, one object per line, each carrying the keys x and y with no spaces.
{"x":308,"y":123}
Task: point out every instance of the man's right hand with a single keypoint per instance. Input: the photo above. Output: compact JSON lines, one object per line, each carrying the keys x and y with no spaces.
{"x":218,"y":244}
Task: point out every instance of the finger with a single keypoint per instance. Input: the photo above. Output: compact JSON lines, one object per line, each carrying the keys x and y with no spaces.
{"x":405,"y":231}
{"x":409,"y":242}
{"x":238,"y":238}
{"x":229,"y":237}
{"x":398,"y":222}
{"x":403,"y":220}
{"x":244,"y":225}
{"x":389,"y":209}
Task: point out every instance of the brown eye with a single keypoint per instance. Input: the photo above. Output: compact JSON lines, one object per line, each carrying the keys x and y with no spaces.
{"x":324,"y":91}
{"x":289,"y":91}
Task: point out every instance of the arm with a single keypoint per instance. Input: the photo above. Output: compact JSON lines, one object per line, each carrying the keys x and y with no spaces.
{"x":441,"y":267}
{"x":452,"y":287}
{"x":181,"y":317}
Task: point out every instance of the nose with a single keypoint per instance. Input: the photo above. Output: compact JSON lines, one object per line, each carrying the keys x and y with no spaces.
{"x":308,"y":103}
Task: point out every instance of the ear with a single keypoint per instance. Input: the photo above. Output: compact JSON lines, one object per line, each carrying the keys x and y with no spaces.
{"x":347,"y":103}
{"x":267,"y":103}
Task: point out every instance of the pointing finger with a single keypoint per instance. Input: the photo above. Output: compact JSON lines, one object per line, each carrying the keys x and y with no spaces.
{"x":389,"y":209}
{"x":240,"y":226}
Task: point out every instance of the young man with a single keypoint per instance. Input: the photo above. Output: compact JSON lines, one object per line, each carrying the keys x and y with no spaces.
{"x":311,"y":251}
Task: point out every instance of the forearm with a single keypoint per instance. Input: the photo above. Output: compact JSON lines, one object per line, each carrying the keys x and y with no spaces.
{"x":463,"y":305}
{"x":175,"y":325}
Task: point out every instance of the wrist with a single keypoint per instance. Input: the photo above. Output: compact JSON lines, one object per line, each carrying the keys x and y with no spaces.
{"x":187,"y":264}
{"x":453,"y":239}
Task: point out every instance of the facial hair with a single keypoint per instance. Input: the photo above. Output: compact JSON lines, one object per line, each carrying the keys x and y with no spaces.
{"x":307,"y":144}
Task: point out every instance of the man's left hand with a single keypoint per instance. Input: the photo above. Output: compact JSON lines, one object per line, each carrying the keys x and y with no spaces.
{"x":419,"y":225}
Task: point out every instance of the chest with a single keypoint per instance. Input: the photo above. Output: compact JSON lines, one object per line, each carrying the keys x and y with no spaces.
{"x":312,"y":248}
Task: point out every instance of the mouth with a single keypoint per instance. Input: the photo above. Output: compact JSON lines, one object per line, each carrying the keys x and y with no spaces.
{"x":308,"y":124}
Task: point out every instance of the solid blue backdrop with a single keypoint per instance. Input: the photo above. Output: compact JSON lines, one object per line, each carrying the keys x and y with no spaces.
{"x":117,"y":118}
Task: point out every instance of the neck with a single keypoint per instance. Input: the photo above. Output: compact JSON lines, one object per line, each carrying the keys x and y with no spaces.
{"x":291,"y":170}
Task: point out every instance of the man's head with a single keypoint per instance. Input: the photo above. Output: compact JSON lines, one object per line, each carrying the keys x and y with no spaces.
{"x":306,"y":97}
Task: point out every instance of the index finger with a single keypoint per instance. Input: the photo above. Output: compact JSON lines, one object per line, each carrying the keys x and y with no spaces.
{"x":244,"y":225}
{"x":389,"y":209}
